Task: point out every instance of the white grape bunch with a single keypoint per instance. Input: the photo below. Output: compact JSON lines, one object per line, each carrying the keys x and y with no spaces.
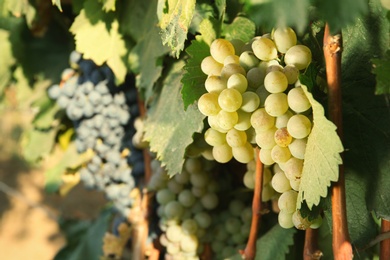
{"x":254,"y":98}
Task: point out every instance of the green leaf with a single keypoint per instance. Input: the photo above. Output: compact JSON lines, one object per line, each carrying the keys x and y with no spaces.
{"x":84,"y":238}
{"x":322,"y":157}
{"x":241,"y":28}
{"x":37,"y":144}
{"x":47,"y":111}
{"x":145,"y":58}
{"x":96,"y":31}
{"x":169,"y":128}
{"x":19,"y":8}
{"x":209,"y":30}
{"x":275,"y":243}
{"x":194,"y":78}
{"x":7,"y":60}
{"x":174,"y":23}
{"x":57,"y":3}
{"x":138,"y":17}
{"x":381,"y":68}
{"x":108,"y":5}
{"x":269,"y":14}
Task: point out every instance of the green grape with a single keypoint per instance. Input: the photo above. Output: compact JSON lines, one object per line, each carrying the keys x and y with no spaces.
{"x":263,"y":65}
{"x":246,"y":215}
{"x":182,"y":177}
{"x":231,"y":69}
{"x":174,"y":233}
{"x":199,"y":179}
{"x":220,"y":49}
{"x":173,"y":210}
{"x":297,"y":100}
{"x":298,"y":148}
{"x":238,"y":82}
{"x":261,"y":120}
{"x":189,"y":226}
{"x":230,"y":100}
{"x":265,"y":157}
{"x":243,"y":154}
{"x":299,"y":126}
{"x":222,"y":153}
{"x":265,"y":139}
{"x":173,"y":249}
{"x":209,"y":200}
{"x":276,"y":104}
{"x":267,"y":193}
{"x":282,"y":137}
{"x":236,"y":207}
{"x":249,"y":180}
{"x":295,"y":184}
{"x":217,"y":246}
{"x":275,"y":82}
{"x":233,"y":225}
{"x":244,"y":121}
{"x":299,"y":56}
{"x":209,"y":66}
{"x":215,"y":84}
{"x":300,"y":222}
{"x":287,"y":201}
{"x":316,"y":223}
{"x":227,"y":120}
{"x":231,"y":59}
{"x":208,"y":104}
{"x":213,"y":122}
{"x":213,"y":186}
{"x":235,"y":137}
{"x":189,"y":243}
{"x":186,"y":198}
{"x":293,"y":168}
{"x":174,"y":186}
{"x":214,"y":137}
{"x":193,"y":165}
{"x":255,"y":77}
{"x":250,"y":101}
{"x":251,"y":135}
{"x":164,"y":196}
{"x":285,"y":219}
{"x":264,"y":49}
{"x":248,"y":60}
{"x":164,"y":240}
{"x":263,"y":94}
{"x":237,"y":44}
{"x":280,"y":154}
{"x":284,"y":39}
{"x":292,"y":73}
{"x":267,"y":175}
{"x":280,"y":183}
{"x":203,"y":219}
{"x":281,"y":121}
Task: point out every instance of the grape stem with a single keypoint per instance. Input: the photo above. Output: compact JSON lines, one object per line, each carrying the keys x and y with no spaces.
{"x":250,"y":249}
{"x":310,"y":249}
{"x":385,"y":244}
{"x":342,"y":248}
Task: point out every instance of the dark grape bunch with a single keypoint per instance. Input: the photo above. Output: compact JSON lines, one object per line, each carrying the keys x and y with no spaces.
{"x":103,"y":116}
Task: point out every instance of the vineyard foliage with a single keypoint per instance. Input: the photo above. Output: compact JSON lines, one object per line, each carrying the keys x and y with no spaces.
{"x":162,"y":43}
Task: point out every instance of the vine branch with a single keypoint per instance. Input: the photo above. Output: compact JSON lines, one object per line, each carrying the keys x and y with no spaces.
{"x":385,"y":243}
{"x":310,"y":249}
{"x":342,"y":248}
{"x":250,"y":249}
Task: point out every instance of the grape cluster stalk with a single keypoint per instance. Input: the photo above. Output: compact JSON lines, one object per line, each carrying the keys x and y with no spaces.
{"x":254,"y":98}
{"x":104,"y":117}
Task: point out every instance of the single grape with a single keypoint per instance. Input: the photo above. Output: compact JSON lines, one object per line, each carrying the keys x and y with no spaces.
{"x":275,"y":82}
{"x":250,"y":101}
{"x":230,"y":69}
{"x":280,"y":154}
{"x":213,"y":122}
{"x":238,"y":81}
{"x":265,"y":157}
{"x":236,"y":138}
{"x":291,"y":73}
{"x":174,"y":233}
{"x":214,"y":137}
{"x":209,"y":200}
{"x":244,"y":153}
{"x":222,"y":153}
{"x":249,"y":180}
{"x":220,"y":49}
{"x":203,"y":219}
{"x":208,"y":104}
{"x":316,"y":223}
{"x":299,"y":56}
{"x":164,"y":196}
{"x":264,"y":49}
{"x":287,"y":201}
{"x":244,"y":121}
{"x":267,"y":193}
{"x":173,"y":209}
{"x":210,"y":66}
{"x":295,"y":184}
{"x":174,"y":186}
{"x":255,"y":77}
{"x":282,"y":137}
{"x":233,"y":225}
{"x":298,"y":148}
{"x":236,"y":207}
{"x":297,"y":100}
{"x":284,"y":39}
{"x":215,"y":84}
{"x":229,"y":100}
{"x":54,"y":91}
{"x":186,"y":198}
{"x":231,"y":59}
{"x":227,"y":120}
{"x":280,"y":183}
{"x":299,"y":126}
{"x":276,"y":104}
{"x":293,"y":168}
{"x":281,"y":121}
{"x":285,"y":219}
{"x":248,"y":60}
{"x":199,"y":179}
{"x":300,"y":222}
{"x":261,"y":120}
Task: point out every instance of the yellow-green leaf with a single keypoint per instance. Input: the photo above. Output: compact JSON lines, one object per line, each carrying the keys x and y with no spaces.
{"x":322,"y":157}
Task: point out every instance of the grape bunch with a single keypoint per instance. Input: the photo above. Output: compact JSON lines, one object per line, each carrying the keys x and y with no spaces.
{"x":103,"y":117}
{"x":254,"y":98}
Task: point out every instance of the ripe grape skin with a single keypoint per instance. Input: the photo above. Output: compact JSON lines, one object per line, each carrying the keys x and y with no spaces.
{"x":265,"y":157}
{"x":293,"y":168}
{"x":230,"y":100}
{"x":230,"y":69}
{"x":208,"y":104}
{"x":284,"y":39}
{"x":275,"y":82}
{"x":220,"y":49}
{"x":299,"y":126}
{"x":236,"y":138}
{"x":276,"y":104}
{"x":250,"y":101}
{"x":281,"y":121}
{"x":243,"y":154}
{"x":210,"y":66}
{"x":299,"y":56}
{"x":282,"y":137}
{"x":231,"y":59}
{"x":287,"y":201}
{"x":261,"y":120}
{"x":265,"y":139}
{"x":238,"y":81}
{"x":297,"y":100}
{"x":280,"y":183}
{"x":298,"y":148}
{"x":285,"y":219}
{"x":255,"y":77}
{"x":280,"y":154}
{"x":227,"y":120}
{"x":292,"y":73}
{"x":264,"y":49}
{"x":215,"y":84}
{"x":244,"y":120}
{"x":222,"y":153}
{"x":248,"y":60}
{"x":214,"y":137}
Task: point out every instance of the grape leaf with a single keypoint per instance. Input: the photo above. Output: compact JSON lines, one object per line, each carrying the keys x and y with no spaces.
{"x":381,"y":68}
{"x":209,"y":30}
{"x":174,"y":23}
{"x":108,"y":5}
{"x":57,"y":3}
{"x":47,"y":111}
{"x":194,"y":78}
{"x":19,"y":8}
{"x":241,"y":28}
{"x":275,"y":243}
{"x":95,"y":31}
{"x":169,"y":128}
{"x":322,"y":157}
{"x":7,"y":60}
{"x":37,"y":143}
{"x":137,"y":17}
